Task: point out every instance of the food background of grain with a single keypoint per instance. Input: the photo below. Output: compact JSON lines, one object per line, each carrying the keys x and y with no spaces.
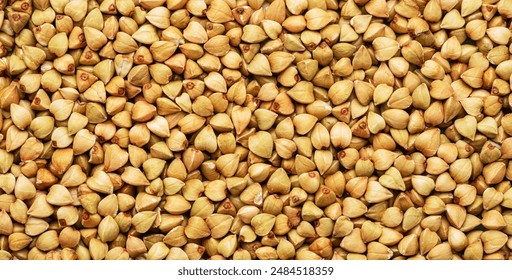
{"x":233,"y":129}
